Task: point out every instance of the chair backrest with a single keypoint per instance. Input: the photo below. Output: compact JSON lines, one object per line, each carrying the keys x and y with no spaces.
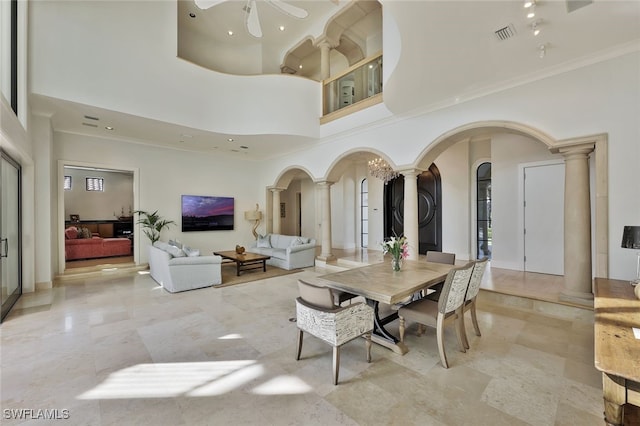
{"x":321,"y":297}
{"x":455,"y":288}
{"x":440,"y":257}
{"x":476,"y":278}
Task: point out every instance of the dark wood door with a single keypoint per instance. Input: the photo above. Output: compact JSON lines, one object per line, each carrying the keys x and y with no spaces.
{"x":429,"y":211}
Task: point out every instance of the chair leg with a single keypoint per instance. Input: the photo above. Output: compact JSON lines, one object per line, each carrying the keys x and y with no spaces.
{"x":463,"y":327}
{"x":368,"y":344}
{"x":440,"y":339}
{"x":421,"y":329}
{"x":401,"y":328}
{"x":457,"y":323}
{"x":336,"y":364}
{"x":474,"y":318}
{"x":299,"y":345}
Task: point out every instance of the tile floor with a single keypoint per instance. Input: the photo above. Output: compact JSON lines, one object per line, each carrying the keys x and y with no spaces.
{"x":118,"y":350}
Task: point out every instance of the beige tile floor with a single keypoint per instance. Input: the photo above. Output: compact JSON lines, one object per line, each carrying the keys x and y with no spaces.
{"x":118,"y":350}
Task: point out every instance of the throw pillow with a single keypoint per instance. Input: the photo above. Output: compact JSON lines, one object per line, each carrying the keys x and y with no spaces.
{"x":297,"y":242}
{"x":71,"y":233}
{"x":86,"y":233}
{"x":190,"y":252}
{"x":263,"y":241}
{"x":175,"y":243}
{"x":175,"y":251}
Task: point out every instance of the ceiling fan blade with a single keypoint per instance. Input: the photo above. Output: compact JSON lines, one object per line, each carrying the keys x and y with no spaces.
{"x":289,"y":9}
{"x":252,"y":21}
{"x":206,"y":4}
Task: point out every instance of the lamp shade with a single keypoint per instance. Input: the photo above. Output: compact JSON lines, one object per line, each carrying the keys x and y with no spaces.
{"x":631,"y":237}
{"x":253,"y":215}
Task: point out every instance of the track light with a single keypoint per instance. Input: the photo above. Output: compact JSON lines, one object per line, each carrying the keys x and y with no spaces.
{"x":542,"y":50}
{"x":529,"y":3}
{"x":532,"y":11}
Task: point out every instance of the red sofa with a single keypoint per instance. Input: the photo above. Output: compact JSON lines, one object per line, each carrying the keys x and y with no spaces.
{"x":94,"y":247}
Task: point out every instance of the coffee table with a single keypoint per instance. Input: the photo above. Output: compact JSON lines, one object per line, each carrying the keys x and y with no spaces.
{"x":245,"y":261}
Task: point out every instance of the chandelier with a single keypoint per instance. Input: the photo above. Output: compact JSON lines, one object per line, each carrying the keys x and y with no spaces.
{"x":382,"y":170}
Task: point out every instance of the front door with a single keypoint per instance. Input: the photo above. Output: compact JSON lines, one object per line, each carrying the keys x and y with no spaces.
{"x":429,"y":211}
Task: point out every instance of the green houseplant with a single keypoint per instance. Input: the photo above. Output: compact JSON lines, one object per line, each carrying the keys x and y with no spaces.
{"x":152,"y":224}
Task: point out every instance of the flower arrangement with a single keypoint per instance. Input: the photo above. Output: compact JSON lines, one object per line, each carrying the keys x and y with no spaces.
{"x":399,"y":249}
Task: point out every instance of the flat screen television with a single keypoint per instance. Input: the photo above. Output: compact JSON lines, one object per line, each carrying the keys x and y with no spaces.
{"x":204,"y":213}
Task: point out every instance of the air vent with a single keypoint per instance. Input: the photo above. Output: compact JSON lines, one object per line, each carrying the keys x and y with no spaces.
{"x":88,"y":117}
{"x":89,"y":124}
{"x":505,"y":32}
{"x":573,"y":5}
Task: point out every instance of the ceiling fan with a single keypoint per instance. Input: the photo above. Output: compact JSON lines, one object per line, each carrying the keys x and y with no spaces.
{"x":252,"y":22}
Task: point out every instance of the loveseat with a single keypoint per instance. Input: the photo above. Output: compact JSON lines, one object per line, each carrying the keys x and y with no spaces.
{"x":286,"y":251}
{"x":176,"y":271}
{"x":92,"y":247}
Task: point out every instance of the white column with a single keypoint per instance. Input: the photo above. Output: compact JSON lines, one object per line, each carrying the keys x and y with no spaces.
{"x":577,"y":224}
{"x":325,"y":64}
{"x":325,"y":197}
{"x":411,"y":211}
{"x":275,"y":226}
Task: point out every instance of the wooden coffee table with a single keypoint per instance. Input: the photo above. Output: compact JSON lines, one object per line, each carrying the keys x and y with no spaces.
{"x":245,"y":261}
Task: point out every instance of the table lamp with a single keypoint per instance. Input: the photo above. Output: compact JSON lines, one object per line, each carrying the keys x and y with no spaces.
{"x":631,"y":240}
{"x":255,"y":215}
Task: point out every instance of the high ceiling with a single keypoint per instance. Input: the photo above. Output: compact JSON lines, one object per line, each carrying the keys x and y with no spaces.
{"x":444,"y":52}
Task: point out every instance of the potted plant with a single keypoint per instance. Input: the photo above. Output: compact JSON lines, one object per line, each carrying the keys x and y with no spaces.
{"x":152,"y":224}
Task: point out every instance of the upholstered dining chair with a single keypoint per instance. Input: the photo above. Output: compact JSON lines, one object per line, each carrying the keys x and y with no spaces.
{"x":470,"y":299}
{"x":439,"y":257}
{"x":446,"y":310}
{"x":318,"y":315}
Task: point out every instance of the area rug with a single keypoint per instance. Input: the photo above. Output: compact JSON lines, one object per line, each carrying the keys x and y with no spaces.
{"x":229,"y":274}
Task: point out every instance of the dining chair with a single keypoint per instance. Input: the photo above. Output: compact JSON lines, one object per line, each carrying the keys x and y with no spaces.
{"x":470,"y":299}
{"x":446,"y":310}
{"x":318,"y":315}
{"x":438,"y":257}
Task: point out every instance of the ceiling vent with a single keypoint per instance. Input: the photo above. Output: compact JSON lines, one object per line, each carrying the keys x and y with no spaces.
{"x":89,"y":124}
{"x":573,"y":5}
{"x":505,"y":33}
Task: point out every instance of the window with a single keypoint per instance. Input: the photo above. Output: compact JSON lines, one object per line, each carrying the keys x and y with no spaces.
{"x":483,"y":180}
{"x":95,"y":184}
{"x":67,"y":183}
{"x":364,"y":213}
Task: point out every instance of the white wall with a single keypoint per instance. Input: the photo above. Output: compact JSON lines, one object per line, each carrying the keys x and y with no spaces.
{"x":116,"y":199}
{"x":165,"y":175}
{"x":508,"y":151}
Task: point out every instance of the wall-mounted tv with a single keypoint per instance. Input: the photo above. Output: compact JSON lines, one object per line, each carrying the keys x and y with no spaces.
{"x":203,"y":213}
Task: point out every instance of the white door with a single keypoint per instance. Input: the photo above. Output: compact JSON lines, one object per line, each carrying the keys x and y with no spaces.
{"x":544,"y":219}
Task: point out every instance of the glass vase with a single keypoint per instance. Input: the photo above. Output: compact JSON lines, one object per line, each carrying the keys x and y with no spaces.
{"x":396,"y":263}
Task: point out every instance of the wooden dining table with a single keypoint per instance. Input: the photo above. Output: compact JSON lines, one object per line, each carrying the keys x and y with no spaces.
{"x":379,"y":283}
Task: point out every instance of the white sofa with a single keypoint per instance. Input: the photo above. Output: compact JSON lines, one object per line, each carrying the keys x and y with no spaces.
{"x":179,"y":272}
{"x":286,"y":251}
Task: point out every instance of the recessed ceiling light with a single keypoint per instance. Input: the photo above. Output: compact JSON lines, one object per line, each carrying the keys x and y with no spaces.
{"x":300,"y":66}
{"x":192,"y":15}
{"x":281,"y":27}
{"x":230,"y":140}
{"x":108,"y":127}
{"x":230,"y":32}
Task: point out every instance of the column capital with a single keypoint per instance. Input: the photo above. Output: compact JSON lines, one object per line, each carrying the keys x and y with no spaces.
{"x":325,"y":41}
{"x":573,"y":149}
{"x":325,"y":183}
{"x":410,"y":172}
{"x":277,"y":189}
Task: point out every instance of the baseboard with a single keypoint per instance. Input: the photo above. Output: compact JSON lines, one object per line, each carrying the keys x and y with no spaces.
{"x":44,"y":285}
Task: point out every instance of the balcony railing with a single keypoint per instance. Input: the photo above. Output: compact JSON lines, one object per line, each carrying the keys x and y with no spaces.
{"x":356,"y":88}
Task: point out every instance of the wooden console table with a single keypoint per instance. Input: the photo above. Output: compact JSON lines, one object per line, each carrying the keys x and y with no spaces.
{"x":617,"y":351}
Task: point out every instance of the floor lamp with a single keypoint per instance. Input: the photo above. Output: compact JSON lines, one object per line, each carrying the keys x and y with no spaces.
{"x":631,"y":240}
{"x":255,"y":215}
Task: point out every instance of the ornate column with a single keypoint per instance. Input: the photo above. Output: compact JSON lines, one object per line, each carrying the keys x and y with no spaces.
{"x":577,"y":224}
{"x":325,"y":45}
{"x":325,"y":197}
{"x":275,"y":226}
{"x":411,"y":211}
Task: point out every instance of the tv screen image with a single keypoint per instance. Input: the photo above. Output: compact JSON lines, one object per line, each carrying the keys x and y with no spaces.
{"x":204,"y":213}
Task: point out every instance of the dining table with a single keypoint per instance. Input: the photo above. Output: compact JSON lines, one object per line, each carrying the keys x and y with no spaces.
{"x":379,"y":284}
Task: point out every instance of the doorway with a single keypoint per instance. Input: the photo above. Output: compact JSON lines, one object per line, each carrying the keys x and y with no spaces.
{"x":10,"y":232}
{"x":429,"y":210}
